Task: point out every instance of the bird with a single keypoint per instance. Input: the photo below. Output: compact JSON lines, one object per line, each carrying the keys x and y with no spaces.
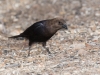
{"x":42,"y":31}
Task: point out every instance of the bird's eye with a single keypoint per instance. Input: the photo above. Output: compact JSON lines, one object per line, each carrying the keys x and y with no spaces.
{"x":60,"y":23}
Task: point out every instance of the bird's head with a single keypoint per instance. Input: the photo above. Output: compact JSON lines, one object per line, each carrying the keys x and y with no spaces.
{"x":60,"y":23}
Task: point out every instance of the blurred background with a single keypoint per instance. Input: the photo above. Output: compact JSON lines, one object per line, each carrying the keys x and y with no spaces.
{"x":17,"y":15}
{"x":74,"y":52}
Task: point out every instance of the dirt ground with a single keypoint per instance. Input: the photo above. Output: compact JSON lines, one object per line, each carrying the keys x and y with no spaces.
{"x":75,"y":51}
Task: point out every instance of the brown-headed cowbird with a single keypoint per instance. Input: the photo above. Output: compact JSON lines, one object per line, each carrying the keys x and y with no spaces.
{"x":42,"y":31}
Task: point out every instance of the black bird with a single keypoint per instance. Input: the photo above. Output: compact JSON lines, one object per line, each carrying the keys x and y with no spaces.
{"x":42,"y":31}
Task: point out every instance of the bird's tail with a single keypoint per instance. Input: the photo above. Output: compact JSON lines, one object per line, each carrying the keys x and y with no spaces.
{"x":17,"y":36}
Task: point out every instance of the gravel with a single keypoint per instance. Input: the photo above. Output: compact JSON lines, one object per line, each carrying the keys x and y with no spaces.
{"x":75,"y":51}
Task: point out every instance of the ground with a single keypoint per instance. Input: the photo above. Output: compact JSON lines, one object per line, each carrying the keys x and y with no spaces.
{"x":75,"y":51}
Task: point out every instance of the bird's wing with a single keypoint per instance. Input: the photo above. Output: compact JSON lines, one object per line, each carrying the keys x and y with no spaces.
{"x":36,"y":28}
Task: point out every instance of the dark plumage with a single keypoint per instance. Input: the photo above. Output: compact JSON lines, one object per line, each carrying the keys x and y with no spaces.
{"x":42,"y":31}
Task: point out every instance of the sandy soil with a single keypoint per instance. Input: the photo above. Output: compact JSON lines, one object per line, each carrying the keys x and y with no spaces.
{"x":75,"y":51}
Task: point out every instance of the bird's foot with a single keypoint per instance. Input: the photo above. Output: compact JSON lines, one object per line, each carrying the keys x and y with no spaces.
{"x":48,"y":51}
{"x":28,"y":53}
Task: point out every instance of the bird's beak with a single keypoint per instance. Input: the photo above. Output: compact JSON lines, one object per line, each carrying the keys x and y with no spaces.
{"x":65,"y":26}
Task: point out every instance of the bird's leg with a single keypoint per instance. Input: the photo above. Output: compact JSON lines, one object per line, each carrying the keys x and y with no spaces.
{"x":30,"y":43}
{"x":44,"y":45}
{"x":29,"y":50}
